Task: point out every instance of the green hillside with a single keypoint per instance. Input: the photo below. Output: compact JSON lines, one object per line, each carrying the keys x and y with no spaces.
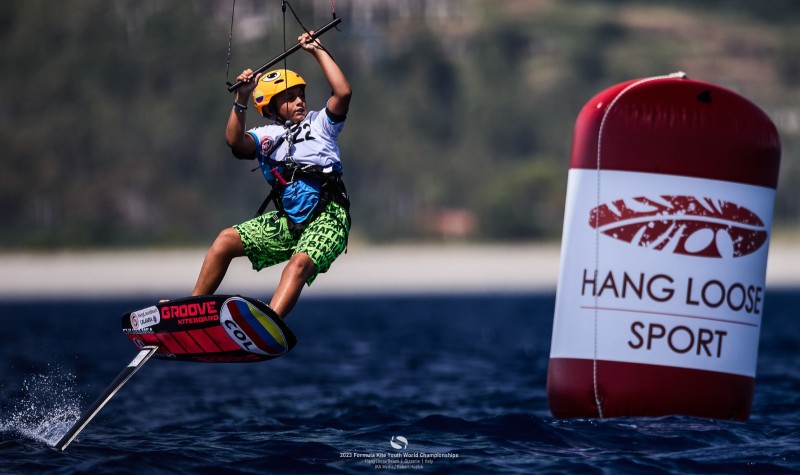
{"x":112,"y":112}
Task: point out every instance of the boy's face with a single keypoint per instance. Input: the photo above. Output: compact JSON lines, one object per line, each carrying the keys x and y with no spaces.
{"x":291,"y":104}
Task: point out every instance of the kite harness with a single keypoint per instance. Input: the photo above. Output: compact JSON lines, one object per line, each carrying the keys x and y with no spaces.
{"x":280,"y":174}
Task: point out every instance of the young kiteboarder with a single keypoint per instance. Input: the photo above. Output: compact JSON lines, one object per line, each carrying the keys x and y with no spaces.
{"x":299,"y":156}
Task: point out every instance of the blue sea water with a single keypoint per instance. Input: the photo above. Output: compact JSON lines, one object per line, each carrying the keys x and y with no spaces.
{"x":457,"y":381}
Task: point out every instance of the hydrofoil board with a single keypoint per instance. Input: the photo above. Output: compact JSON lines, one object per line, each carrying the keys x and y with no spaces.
{"x":207,"y":328}
{"x":210,"y":328}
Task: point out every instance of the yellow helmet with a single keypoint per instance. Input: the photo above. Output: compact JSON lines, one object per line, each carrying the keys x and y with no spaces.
{"x":272,"y":83}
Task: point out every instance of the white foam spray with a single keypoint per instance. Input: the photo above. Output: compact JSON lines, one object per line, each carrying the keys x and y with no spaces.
{"x":48,"y":406}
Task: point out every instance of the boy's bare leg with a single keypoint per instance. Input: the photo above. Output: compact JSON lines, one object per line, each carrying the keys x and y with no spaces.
{"x":219,"y":256}
{"x":293,"y":278}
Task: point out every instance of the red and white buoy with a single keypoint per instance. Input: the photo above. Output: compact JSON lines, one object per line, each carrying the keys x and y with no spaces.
{"x":664,"y":252}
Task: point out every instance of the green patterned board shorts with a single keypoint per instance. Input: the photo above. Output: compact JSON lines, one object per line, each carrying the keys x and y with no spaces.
{"x":268,"y":240}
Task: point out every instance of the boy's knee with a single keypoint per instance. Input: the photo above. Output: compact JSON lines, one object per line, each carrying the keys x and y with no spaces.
{"x":229,"y":235}
{"x":228,"y":242}
{"x":302,"y":265}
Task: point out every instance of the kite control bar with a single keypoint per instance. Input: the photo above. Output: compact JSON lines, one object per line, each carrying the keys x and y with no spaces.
{"x":274,"y":61}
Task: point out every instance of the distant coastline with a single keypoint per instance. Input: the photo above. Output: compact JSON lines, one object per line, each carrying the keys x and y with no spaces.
{"x":449,"y":269}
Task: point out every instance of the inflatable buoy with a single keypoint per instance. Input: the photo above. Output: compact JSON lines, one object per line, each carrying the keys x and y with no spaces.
{"x":664,"y":251}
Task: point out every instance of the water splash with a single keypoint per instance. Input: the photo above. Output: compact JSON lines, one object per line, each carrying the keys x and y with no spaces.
{"x":48,"y":406}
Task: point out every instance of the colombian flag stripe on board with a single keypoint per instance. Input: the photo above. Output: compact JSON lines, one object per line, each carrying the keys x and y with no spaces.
{"x":259,"y":328}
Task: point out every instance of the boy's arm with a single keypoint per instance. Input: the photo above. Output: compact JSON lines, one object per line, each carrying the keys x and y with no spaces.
{"x":241,"y":143}
{"x":339,"y":102}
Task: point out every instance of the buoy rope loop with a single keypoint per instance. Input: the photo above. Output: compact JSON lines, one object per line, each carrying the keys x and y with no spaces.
{"x":678,"y":75}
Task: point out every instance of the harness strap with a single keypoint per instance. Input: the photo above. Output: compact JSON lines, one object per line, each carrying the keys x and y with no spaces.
{"x":332,"y":189}
{"x":265,"y":203}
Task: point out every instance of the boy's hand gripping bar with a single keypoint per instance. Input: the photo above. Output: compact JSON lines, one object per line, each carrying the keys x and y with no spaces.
{"x":274,"y":61}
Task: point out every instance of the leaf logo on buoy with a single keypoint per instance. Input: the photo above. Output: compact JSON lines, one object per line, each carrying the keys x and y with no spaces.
{"x":686,"y":225}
